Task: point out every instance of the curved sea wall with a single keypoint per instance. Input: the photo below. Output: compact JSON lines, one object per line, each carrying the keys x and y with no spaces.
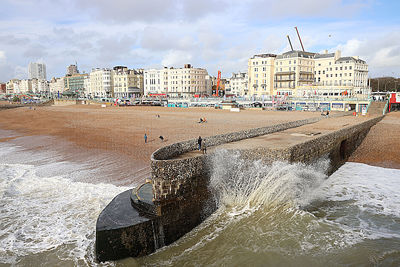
{"x":173,"y":177}
{"x":180,"y":199}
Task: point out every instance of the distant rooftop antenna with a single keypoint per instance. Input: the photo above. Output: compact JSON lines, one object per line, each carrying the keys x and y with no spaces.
{"x":299,"y":39}
{"x":291,"y":46}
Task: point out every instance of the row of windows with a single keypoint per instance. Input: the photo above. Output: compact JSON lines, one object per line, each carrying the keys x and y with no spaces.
{"x":336,"y":75}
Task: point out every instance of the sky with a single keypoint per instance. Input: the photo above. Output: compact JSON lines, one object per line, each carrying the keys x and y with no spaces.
{"x":211,"y":34}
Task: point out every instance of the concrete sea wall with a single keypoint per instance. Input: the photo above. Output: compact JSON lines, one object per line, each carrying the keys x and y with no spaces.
{"x":181,"y":196}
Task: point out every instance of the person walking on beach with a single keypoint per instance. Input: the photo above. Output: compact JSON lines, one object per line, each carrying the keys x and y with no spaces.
{"x":204,"y":147}
{"x":145,"y":138}
{"x":199,"y":142}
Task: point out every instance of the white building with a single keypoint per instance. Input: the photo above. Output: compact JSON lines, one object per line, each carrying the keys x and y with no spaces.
{"x":25,"y":86}
{"x":183,"y":82}
{"x":237,"y":84}
{"x":306,"y":74}
{"x":40,"y":86}
{"x":37,"y":71}
{"x":56,"y":86}
{"x":336,"y":75}
{"x":100,"y":83}
{"x":261,"y":74}
{"x":12,"y":86}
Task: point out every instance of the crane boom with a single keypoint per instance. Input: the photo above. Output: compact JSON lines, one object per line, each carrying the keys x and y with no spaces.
{"x":299,"y":39}
{"x":291,"y":46}
{"x":218,"y":81}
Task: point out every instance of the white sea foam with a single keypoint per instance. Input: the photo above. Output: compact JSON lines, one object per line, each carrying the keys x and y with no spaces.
{"x":43,"y":213}
{"x":372,"y":188}
{"x":237,"y":181}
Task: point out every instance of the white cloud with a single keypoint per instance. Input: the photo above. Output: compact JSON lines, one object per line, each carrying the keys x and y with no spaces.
{"x":2,"y":56}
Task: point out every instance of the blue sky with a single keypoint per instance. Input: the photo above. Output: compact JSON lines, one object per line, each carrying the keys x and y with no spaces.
{"x":216,"y":35}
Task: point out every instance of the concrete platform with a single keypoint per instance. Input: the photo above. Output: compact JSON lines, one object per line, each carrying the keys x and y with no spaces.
{"x":286,"y":138}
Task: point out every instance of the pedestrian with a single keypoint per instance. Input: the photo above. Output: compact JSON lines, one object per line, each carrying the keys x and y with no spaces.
{"x":204,"y":147}
{"x":145,"y":138}
{"x":199,"y":142}
{"x":161,"y":138}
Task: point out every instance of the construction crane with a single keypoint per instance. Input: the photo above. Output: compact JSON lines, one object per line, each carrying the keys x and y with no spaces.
{"x":291,"y":46}
{"x":218,"y":81}
{"x":299,"y":39}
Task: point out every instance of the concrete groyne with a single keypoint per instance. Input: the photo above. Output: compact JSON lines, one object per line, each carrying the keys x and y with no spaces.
{"x":179,"y":198}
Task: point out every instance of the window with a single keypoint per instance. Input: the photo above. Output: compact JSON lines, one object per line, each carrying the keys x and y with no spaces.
{"x":329,"y":63}
{"x":349,"y":74}
{"x":349,"y":67}
{"x":294,"y":61}
{"x":345,"y":68}
{"x":290,"y":62}
{"x":336,"y":68}
{"x":341,"y":68}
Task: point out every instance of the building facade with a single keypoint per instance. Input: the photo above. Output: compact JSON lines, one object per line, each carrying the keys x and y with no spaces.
{"x":306,"y":74}
{"x":182,"y":82}
{"x":127,"y":83}
{"x":75,"y":84}
{"x":12,"y":87}
{"x":237,"y":84}
{"x":56,"y":86}
{"x":37,"y":71}
{"x":100,"y":83}
{"x":261,"y":74}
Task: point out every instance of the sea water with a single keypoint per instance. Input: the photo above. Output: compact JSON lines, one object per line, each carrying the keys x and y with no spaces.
{"x":268,"y":215}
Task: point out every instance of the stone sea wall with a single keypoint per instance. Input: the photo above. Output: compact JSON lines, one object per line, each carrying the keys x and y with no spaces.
{"x":173,"y":177}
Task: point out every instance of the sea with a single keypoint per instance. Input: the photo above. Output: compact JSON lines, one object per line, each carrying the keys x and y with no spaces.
{"x":268,"y":215}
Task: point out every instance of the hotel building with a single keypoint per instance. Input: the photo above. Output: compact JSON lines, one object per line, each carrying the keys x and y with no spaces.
{"x":100,"y":83}
{"x":183,"y":82}
{"x":299,"y":73}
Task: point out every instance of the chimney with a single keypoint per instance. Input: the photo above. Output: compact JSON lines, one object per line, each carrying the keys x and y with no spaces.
{"x":338,"y":54}
{"x":187,"y":66}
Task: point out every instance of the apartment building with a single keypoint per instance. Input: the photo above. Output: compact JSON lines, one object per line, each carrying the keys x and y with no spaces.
{"x":12,"y":86}
{"x":237,"y":84}
{"x":261,"y":74}
{"x":306,"y":74}
{"x":56,"y":85}
{"x":100,"y":83}
{"x":127,"y":83}
{"x":40,"y":86}
{"x":25,"y":86}
{"x":181,"y":82}
{"x":37,"y":71}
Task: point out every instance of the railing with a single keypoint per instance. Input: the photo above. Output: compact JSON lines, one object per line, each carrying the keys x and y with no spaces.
{"x":385,"y":108}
